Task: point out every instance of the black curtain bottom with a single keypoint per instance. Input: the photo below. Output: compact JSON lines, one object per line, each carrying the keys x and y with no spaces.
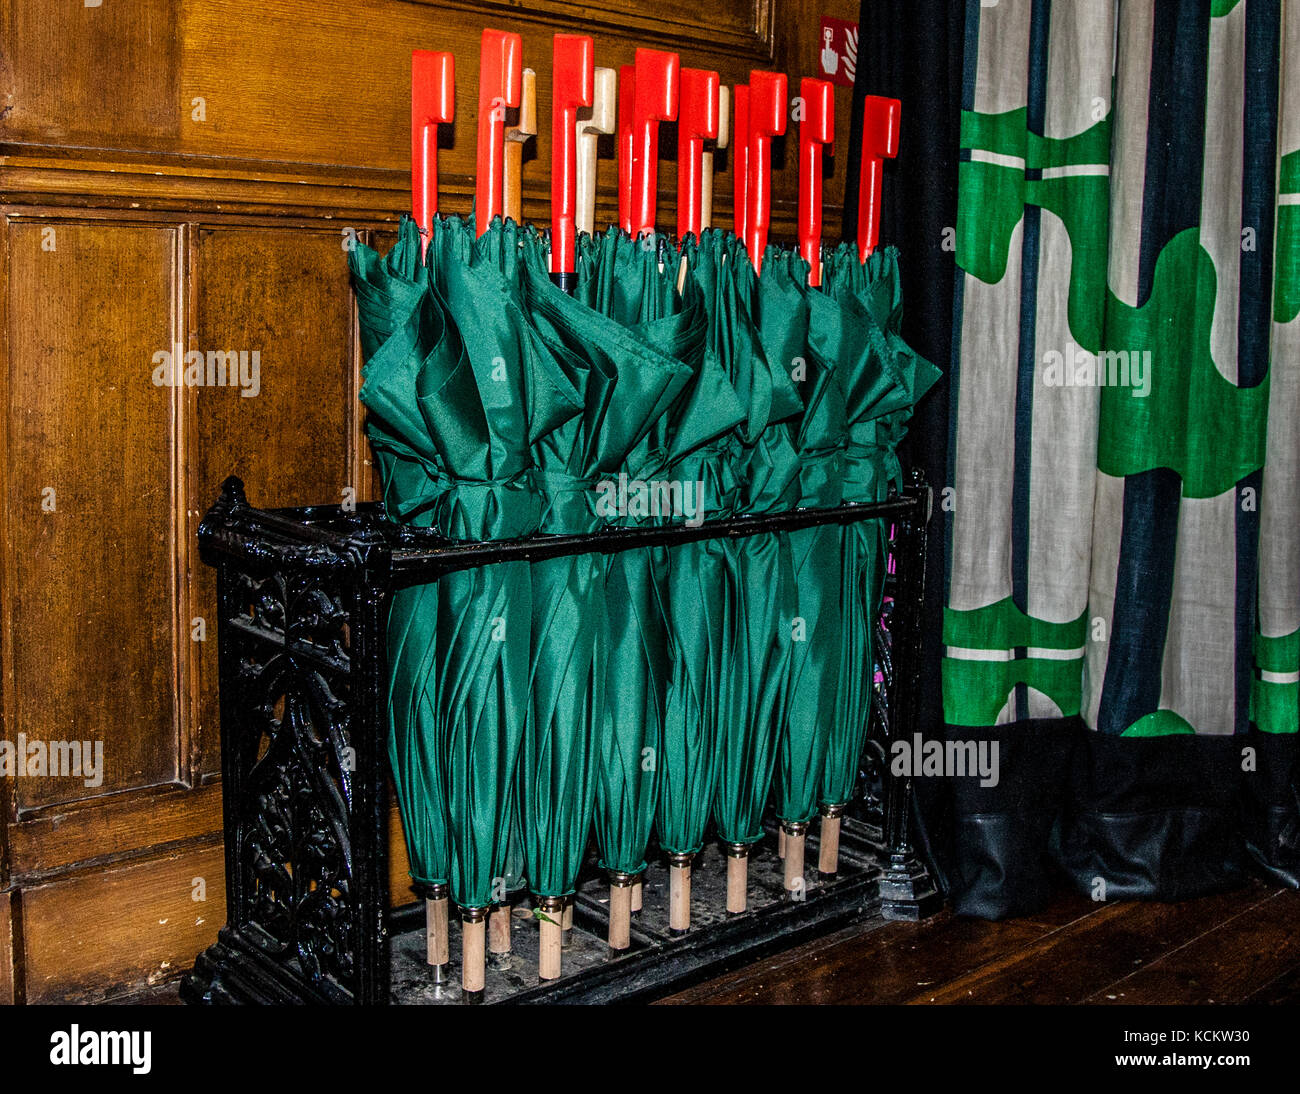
{"x":1165,"y":818}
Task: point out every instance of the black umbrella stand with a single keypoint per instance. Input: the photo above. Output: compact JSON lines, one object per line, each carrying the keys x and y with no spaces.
{"x":303,"y":598}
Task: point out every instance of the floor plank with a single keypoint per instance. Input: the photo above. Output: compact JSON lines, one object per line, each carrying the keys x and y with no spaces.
{"x":1236,"y":946}
{"x":886,"y":966}
{"x":1226,"y":964}
{"x":1087,"y":956}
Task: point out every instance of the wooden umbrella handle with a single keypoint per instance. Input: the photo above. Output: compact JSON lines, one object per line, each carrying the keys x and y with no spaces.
{"x":602,"y":121}
{"x":516,"y":137}
{"x":473,"y":954}
{"x":550,"y":943}
{"x":437,"y":931}
{"x":737,"y":878}
{"x":620,"y":911}
{"x":794,"y":845}
{"x":828,"y":854}
{"x":638,"y":893}
{"x":499,"y":940}
{"x":679,"y":893}
{"x":724,"y":139}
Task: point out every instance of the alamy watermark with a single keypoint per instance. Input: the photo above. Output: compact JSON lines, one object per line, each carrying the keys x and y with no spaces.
{"x":178,"y":367}
{"x":1078,"y":367}
{"x":58,"y":759}
{"x":919,"y":758}
{"x":624,"y":497}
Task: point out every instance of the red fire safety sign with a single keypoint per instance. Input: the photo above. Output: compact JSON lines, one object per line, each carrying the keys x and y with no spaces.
{"x":839,"y":50}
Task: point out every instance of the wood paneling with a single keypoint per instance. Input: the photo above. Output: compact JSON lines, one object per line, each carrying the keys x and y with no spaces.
{"x":7,"y":970}
{"x":56,"y":64}
{"x":284,"y":296}
{"x":297,"y":95}
{"x":99,"y":932}
{"x":90,"y":493}
{"x":54,"y":840}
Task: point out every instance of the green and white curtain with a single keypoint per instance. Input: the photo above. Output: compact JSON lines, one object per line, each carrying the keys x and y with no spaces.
{"x":1123,"y":511}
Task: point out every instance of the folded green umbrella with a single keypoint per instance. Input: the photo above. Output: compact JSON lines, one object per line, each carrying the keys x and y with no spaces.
{"x":883,"y":379}
{"x":400,"y":328}
{"x":487,"y":403}
{"x":626,"y":282}
{"x":626,"y":385}
{"x":760,"y":323}
{"x":702,"y":577}
{"x":810,"y":711}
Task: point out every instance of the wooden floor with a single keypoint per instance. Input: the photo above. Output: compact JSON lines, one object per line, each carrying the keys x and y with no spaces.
{"x":1239,"y":947}
{"x":1232,"y":948}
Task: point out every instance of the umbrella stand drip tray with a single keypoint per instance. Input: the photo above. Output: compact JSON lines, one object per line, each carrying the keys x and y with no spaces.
{"x":658,"y":963}
{"x":303,"y":601}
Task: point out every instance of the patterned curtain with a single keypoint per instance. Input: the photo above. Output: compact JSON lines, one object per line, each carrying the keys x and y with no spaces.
{"x":1123,"y":520}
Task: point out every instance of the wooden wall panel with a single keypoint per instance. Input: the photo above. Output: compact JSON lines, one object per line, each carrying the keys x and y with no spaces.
{"x":7,"y":986}
{"x":90,"y":436}
{"x":104,"y":931}
{"x":284,"y":95}
{"x":284,"y":295}
{"x":54,"y":75}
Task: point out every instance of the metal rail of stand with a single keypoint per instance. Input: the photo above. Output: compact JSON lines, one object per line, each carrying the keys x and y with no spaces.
{"x":303,"y":598}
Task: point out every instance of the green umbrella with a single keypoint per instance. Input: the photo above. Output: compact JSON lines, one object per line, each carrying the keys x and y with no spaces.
{"x":399,"y":329}
{"x":793,"y":323}
{"x":761,"y":322}
{"x":624,"y":280}
{"x":883,"y":379}
{"x":487,"y":404}
{"x":627,"y":384}
{"x":701,"y":610}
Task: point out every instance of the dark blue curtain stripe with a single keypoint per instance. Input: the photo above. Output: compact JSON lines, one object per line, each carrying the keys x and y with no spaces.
{"x":1171,"y":195}
{"x":1144,"y":584}
{"x":1026,"y":377}
{"x":1171,"y":203}
{"x":1259,"y":188}
{"x":1255,"y":307}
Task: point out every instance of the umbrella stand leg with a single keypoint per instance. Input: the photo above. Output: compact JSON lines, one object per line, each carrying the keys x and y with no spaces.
{"x":620,"y":911}
{"x":795,"y":833}
{"x":550,"y":916}
{"x":780,"y":841}
{"x":437,"y":931}
{"x":499,"y":936}
{"x":566,"y":922}
{"x":737,"y":878}
{"x":679,"y":894}
{"x":473,"y":954}
{"x":828,"y":858}
{"x":638,"y":893}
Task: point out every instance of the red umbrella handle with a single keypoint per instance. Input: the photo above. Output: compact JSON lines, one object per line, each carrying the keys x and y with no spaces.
{"x":767,"y":101}
{"x":626,"y":141}
{"x":740,"y":159}
{"x":433,"y":103}
{"x":500,"y":85}
{"x":697,"y":121}
{"x":654,"y":101}
{"x":815,"y":131}
{"x":574,"y":61}
{"x":880,"y":124}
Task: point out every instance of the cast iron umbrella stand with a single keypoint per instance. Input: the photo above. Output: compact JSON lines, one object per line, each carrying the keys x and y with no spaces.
{"x":303,"y":597}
